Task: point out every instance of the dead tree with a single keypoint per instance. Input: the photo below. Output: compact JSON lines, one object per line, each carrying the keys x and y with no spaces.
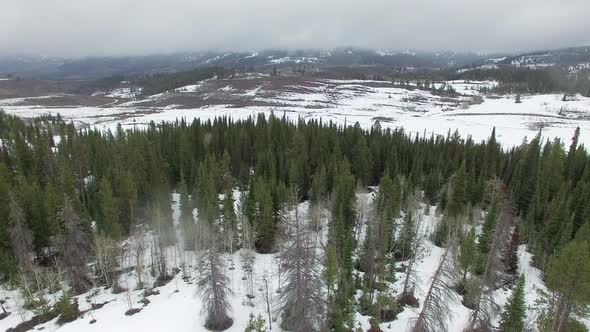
{"x":302,"y":296}
{"x":267,"y":299}
{"x":138,"y":247}
{"x":214,"y":290}
{"x":105,"y":253}
{"x":435,"y":313}
{"x":75,"y":249}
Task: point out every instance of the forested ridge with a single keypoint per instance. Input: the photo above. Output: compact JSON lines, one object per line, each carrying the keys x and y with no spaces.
{"x":65,"y":192}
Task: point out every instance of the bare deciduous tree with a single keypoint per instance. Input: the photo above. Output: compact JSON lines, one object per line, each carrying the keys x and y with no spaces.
{"x":106,"y":253}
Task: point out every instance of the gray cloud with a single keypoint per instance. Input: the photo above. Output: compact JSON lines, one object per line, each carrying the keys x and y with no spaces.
{"x":117,"y":27}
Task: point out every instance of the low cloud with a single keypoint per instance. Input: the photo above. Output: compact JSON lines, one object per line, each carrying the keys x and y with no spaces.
{"x":121,"y":27}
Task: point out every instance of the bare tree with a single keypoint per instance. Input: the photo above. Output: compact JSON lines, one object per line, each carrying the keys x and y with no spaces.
{"x":138,"y":248}
{"x":302,"y":296}
{"x":214,"y":289}
{"x":74,"y":249}
{"x":267,"y":299}
{"x":435,"y":313}
{"x":105,"y":253}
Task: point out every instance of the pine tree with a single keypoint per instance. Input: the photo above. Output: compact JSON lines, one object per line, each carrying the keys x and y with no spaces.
{"x":186,"y":216}
{"x":488,"y":228}
{"x":467,"y":254}
{"x":75,"y":249}
{"x":214,"y":289}
{"x":263,"y":217}
{"x":340,"y":236}
{"x":230,"y":223}
{"x":20,"y":234}
{"x":565,"y":277}
{"x":456,"y":203}
{"x":407,"y":236}
{"x":514,"y":314}
{"x":7,"y":263}
{"x":256,"y":324}
{"x":109,"y":213}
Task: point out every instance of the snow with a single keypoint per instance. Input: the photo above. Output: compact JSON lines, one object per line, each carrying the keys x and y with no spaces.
{"x":365,"y":102}
{"x":289,"y":59}
{"x":178,"y":307}
{"x":124,"y":93}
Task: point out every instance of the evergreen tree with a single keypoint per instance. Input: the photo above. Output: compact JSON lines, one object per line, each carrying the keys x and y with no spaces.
{"x":456,"y":202}
{"x":514,"y":314}
{"x":186,"y":216}
{"x":256,"y":324}
{"x":467,"y":254}
{"x":75,"y":249}
{"x":565,"y":277}
{"x":20,"y":234}
{"x":108,"y":221}
{"x":7,"y":263}
{"x":407,"y":236}
{"x":263,"y":218}
{"x":488,"y":228}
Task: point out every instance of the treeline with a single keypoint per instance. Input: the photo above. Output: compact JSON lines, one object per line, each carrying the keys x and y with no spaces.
{"x":60,"y":183}
{"x":511,"y":79}
{"x":533,"y":80}
{"x":161,"y":82}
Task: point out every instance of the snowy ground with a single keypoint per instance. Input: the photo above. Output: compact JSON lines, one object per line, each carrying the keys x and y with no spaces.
{"x":346,"y":102}
{"x":179,"y":308}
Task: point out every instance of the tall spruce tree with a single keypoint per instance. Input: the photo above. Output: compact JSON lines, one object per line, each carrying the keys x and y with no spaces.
{"x":108,"y":221}
{"x":514,"y":314}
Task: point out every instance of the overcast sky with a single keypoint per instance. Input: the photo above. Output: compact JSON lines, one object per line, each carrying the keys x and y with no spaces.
{"x":120,"y":27}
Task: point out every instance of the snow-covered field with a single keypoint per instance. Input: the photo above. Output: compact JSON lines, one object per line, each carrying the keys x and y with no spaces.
{"x":347,"y":102}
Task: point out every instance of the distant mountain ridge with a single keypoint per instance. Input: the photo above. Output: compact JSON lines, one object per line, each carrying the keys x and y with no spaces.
{"x":97,"y":67}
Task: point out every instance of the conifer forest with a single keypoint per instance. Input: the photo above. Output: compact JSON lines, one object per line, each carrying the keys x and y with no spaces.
{"x":319,"y":226}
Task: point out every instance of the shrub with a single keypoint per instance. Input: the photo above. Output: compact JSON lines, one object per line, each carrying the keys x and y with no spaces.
{"x":66,"y":309}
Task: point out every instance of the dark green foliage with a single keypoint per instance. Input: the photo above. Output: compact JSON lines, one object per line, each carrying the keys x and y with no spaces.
{"x":456,"y":201}
{"x":566,"y":271}
{"x":126,"y":177}
{"x":488,"y":228}
{"x":263,"y":217}
{"x":66,"y":309}
{"x":514,"y":314}
{"x":407,"y":236}
{"x":108,"y":221}
{"x":467,"y":254}
{"x":157,"y":83}
{"x":255,"y":324}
